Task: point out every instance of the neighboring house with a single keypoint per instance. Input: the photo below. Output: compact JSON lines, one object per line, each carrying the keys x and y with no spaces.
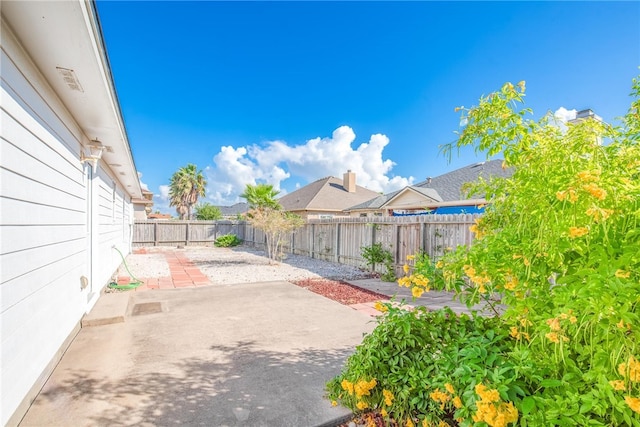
{"x":67,"y":181}
{"x":142,"y":207}
{"x":159,"y":216}
{"x":443,"y":194}
{"x":327,"y":197}
{"x":234,"y":211}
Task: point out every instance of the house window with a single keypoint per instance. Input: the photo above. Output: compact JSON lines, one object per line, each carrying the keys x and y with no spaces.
{"x":377,"y":214}
{"x":326,"y":216}
{"x":363,"y":215}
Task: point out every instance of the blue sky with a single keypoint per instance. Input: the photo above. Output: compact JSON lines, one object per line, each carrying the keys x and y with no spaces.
{"x":290,"y":92}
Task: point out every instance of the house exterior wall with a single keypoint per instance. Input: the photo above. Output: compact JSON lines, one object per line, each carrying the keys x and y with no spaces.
{"x":59,"y":224}
{"x":407,"y":200}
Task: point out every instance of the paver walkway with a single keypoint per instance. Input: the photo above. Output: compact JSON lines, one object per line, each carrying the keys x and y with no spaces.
{"x":183,"y":273}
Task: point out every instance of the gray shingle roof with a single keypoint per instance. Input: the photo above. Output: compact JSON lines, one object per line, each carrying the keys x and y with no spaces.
{"x":325,"y":194}
{"x":449,"y":185}
{"x":233,"y":210}
{"x":446,"y":187}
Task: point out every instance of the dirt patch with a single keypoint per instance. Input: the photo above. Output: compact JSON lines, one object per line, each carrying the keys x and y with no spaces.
{"x":340,"y":291}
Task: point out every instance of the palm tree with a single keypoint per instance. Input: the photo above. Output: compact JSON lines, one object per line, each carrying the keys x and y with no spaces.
{"x":261,"y":196}
{"x":187,"y":184}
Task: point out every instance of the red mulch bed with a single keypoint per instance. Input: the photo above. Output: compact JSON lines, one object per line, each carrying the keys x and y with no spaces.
{"x":340,"y":291}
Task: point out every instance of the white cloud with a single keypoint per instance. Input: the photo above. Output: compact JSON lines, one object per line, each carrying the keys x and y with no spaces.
{"x":563,"y":115}
{"x":142,"y":184}
{"x":275,"y":161}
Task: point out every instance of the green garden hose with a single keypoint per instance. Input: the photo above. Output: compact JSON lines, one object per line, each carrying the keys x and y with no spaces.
{"x":131,"y":285}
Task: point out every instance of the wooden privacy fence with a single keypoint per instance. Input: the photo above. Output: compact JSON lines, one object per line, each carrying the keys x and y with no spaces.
{"x":337,"y":240}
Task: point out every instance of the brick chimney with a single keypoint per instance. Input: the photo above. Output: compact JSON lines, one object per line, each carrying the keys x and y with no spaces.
{"x":349,"y":181}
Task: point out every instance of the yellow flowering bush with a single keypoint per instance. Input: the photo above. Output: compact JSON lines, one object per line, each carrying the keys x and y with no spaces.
{"x":556,"y":256}
{"x":558,"y":247}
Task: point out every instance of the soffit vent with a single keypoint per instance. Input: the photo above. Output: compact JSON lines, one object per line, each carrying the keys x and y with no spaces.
{"x":70,"y":78}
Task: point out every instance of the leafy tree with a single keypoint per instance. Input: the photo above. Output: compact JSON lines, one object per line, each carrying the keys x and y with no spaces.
{"x":187,"y":184}
{"x":208,"y":212}
{"x":261,"y":196}
{"x":277,"y":225}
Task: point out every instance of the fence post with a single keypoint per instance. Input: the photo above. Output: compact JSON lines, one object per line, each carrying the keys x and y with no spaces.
{"x":155,"y":233}
{"x":312,"y":251}
{"x":336,"y":244}
{"x":396,"y":243}
{"x":186,"y":236}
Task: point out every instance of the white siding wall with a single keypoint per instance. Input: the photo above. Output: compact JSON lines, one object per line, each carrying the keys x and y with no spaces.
{"x":44,"y":228}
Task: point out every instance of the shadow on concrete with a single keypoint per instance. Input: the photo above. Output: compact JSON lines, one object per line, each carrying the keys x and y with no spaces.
{"x":238,"y":385}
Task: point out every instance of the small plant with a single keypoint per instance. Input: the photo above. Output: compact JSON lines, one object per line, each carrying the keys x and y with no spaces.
{"x":376,"y":254}
{"x":227,"y":240}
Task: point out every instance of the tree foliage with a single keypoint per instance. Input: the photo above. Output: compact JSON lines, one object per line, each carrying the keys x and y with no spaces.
{"x":186,"y":186}
{"x":261,"y":196}
{"x":277,"y":226}
{"x":207,"y":212}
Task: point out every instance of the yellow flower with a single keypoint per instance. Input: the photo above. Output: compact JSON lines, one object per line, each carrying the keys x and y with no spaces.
{"x":409,"y":423}
{"x":457,"y":402}
{"x":522,"y":85}
{"x":404,"y":281}
{"x":381,"y":307}
{"x":554,"y":324}
{"x":449,"y":388}
{"x":633,"y":368}
{"x":573,"y":319}
{"x":577,"y":231}
{"x":347,"y":386}
{"x":622,"y":274}
{"x":334,"y":403}
{"x":617,"y":384}
{"x":620,"y":324}
{"x":553,"y":337}
{"x":633,"y":402}
{"x":599,"y":214}
{"x":439,"y":264}
{"x":589,"y":176}
{"x":514,"y":332}
{"x":567,"y":194}
{"x":383,"y":412}
{"x":405,"y":268}
{"x":362,"y":405}
{"x":443,"y":424}
{"x":363,"y":388}
{"x":511,"y":283}
{"x":596,"y":191}
{"x":388,"y":397}
{"x":411,"y":257}
{"x":417,"y":291}
{"x":439,"y":396}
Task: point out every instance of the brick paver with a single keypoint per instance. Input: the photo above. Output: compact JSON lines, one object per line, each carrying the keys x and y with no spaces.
{"x":183,"y":273}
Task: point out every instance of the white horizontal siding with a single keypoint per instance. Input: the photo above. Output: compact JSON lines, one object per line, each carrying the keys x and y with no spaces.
{"x":32,"y":344}
{"x":43,"y":221}
{"x":14,"y":291}
{"x":19,"y":212}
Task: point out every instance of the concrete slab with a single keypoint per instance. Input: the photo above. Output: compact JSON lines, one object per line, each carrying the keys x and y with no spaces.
{"x":223,"y":355}
{"x":433,"y":300}
{"x":110,"y":308}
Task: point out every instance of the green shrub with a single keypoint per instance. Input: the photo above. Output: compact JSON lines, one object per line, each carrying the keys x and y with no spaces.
{"x":227,"y":240}
{"x":426,"y":366}
{"x":377,"y":254}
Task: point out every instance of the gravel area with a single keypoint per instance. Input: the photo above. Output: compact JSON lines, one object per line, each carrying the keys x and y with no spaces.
{"x":247,"y":265}
{"x":239,"y":264}
{"x":145,"y":265}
